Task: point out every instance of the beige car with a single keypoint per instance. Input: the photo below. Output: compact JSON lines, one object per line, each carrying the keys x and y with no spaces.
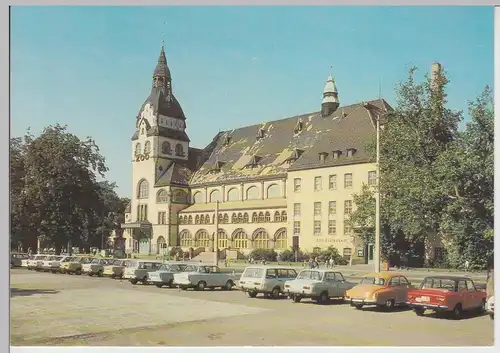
{"x":138,"y":270}
{"x":95,"y":267}
{"x":269,"y":280}
{"x":115,"y":268}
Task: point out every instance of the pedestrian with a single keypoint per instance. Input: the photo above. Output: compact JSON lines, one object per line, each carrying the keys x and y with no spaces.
{"x":466,"y":265}
{"x":311,"y":264}
{"x":332,"y":262}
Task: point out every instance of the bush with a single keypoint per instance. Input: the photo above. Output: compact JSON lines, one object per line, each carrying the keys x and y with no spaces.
{"x":289,"y":256}
{"x":263,"y":254}
{"x":176,"y":251}
{"x":332,"y":252}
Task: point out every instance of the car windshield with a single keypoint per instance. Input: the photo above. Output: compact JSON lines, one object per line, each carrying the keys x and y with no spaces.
{"x":95,"y":261}
{"x":253,"y":272}
{"x":59,"y":258}
{"x":314,"y":275}
{"x":191,"y":268}
{"x":85,"y":260}
{"x":116,"y":262}
{"x":165,"y":267}
{"x":373,"y":280}
{"x":447,"y":284}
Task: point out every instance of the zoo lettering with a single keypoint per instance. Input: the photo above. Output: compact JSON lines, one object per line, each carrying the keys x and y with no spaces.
{"x":330,"y":240}
{"x":142,"y":157}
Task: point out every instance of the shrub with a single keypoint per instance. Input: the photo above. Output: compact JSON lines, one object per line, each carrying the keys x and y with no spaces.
{"x":332,"y":252}
{"x":263,"y":254}
{"x":289,"y":256}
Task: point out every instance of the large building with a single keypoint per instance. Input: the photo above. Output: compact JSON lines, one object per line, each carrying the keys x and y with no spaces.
{"x":270,"y":185}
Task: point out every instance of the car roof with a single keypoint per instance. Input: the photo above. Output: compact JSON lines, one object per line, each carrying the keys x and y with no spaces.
{"x":270,"y":267}
{"x":453,"y":278}
{"x":384,"y":274}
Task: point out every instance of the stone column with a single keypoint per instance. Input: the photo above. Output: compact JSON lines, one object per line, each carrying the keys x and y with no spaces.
{"x":223,"y":199}
{"x":242,"y":189}
{"x":206,"y":195}
{"x":262,"y":190}
{"x":284,"y":188}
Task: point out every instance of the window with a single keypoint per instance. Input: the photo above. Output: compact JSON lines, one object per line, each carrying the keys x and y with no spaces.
{"x":267,"y":217}
{"x":162,"y":217}
{"x":347,"y":228}
{"x":332,"y":182}
{"x":261,"y":217}
{"x":470,"y":286}
{"x":394,"y":281}
{"x":186,"y":239}
{"x":222,"y":239}
{"x":240,"y":217}
{"x":137,"y":149}
{"x":317,"y":227}
{"x":277,"y":216}
{"x":202,"y":219}
{"x":296,"y":209}
{"x":273,"y":191}
{"x":347,"y":207}
{"x":202,"y":239}
{"x":317,"y":183}
{"x":261,"y":240}
{"x":233,"y":195}
{"x":197,"y":219}
{"x":190,"y":220}
{"x":214,"y":196}
{"x":147,"y":147}
{"x":162,"y":196}
{"x":198,"y":197}
{"x":234,"y":218}
{"x":166,"y":148}
{"x":179,"y":150}
{"x":225,"y":219}
{"x":143,"y":189}
{"x":297,"y":184}
{"x":283,"y":216}
{"x":271,"y":273}
{"x":403,"y":282}
{"x":245,"y":217}
{"x":317,"y":208}
{"x":240,"y":240}
{"x":255,"y":219}
{"x":296,"y":227}
{"x":348,"y":181}
{"x":372,"y":178}
{"x":332,"y":227}
{"x":287,"y":273}
{"x":332,"y":208}
{"x":281,"y":241}
{"x":252,"y":193}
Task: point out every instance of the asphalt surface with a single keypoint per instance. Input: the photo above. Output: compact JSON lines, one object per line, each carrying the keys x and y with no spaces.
{"x":54,"y":309}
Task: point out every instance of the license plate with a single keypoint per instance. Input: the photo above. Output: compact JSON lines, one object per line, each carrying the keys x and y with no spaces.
{"x":422,"y":299}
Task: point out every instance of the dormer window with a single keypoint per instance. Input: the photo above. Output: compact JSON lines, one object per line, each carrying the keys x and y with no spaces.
{"x":294,"y":156}
{"x":336,"y":154}
{"x":254,"y":162}
{"x":298,"y":127}
{"x":350,"y":152}
{"x":227,"y":141}
{"x":322,"y":156}
{"x":218,"y":166}
{"x":260,"y":133}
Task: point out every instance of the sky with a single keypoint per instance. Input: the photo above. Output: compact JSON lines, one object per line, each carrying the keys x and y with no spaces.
{"x":91,"y":67}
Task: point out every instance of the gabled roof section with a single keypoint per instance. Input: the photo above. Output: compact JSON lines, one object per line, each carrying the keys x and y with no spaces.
{"x":284,"y":150}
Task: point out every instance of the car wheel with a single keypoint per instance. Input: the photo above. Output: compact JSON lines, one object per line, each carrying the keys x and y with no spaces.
{"x":252,"y":294}
{"x":113,"y":276}
{"x":159,"y":285}
{"x":389,"y":304}
{"x":229,"y":285}
{"x":90,"y":274}
{"x":275,"y":294}
{"x":78,"y":272}
{"x":201,"y":285}
{"x":358,"y":306}
{"x":144,"y":281}
{"x":99,"y":274}
{"x":482,"y":309}
{"x":323,"y":298}
{"x":171,"y":284}
{"x":133,"y":280}
{"x":296,"y":298}
{"x":457,"y":312}
{"x":419,"y":311}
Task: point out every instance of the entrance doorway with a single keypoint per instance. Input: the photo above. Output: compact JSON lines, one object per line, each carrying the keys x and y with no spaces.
{"x":369,"y":253}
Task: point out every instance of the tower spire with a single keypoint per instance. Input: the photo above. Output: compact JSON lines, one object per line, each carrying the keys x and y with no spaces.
{"x":330,"y":101}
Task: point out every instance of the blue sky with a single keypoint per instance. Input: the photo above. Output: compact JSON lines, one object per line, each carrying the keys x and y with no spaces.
{"x":91,"y":67}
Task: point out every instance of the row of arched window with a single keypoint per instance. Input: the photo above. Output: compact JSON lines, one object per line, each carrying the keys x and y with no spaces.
{"x":178,"y":196}
{"x":261,"y":217}
{"x":234,"y":194}
{"x":260,"y":239}
{"x":166,"y":148}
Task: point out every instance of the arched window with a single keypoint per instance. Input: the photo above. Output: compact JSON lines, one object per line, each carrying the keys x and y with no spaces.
{"x":240,"y":239}
{"x":180,"y":196}
{"x":202,"y":239}
{"x":214,"y":196}
{"x":162,"y":196}
{"x":190,"y":220}
{"x":281,"y":240}
{"x":222,"y":241}
{"x":147,"y":147}
{"x":160,"y":243}
{"x":166,"y":148}
{"x":245,"y":217}
{"x":261,"y":217}
{"x":277,"y":216}
{"x":254,"y":217}
{"x":273,"y":191}
{"x":137,"y":149}
{"x":240,"y":217}
{"x":181,"y":220}
{"x":267,"y":217}
{"x":221,"y":218}
{"x":234,"y":218}
{"x":202,"y":219}
{"x":226,"y":218}
{"x":198,"y":197}
{"x":233,"y":195}
{"x":207,"y":219}
{"x":283,"y":216}
{"x":143,"y":189}
{"x":179,"y":150}
{"x":252,"y":193}
{"x":186,"y":239}
{"x":261,"y":239}
{"x":197,"y":219}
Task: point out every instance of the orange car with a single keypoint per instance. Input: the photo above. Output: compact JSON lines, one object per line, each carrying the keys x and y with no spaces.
{"x":384,"y":289}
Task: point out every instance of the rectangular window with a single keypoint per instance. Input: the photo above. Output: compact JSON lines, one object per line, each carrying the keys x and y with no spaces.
{"x":347,"y":228}
{"x":317,"y":227}
{"x":332,"y":208}
{"x":332,"y":227}
{"x":317,"y":208}
{"x":372,"y":178}
{"x":296,"y":227}
{"x":297,"y":184}
{"x":162,"y":218}
{"x":347,"y":207}
{"x":332,"y":182}
{"x":348,"y":180}
{"x":296,"y":209}
{"x":317,"y":183}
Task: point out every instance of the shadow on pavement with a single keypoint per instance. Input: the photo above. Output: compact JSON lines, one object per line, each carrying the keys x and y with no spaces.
{"x":397,"y":309}
{"x":16,"y":292}
{"x":466,"y":315}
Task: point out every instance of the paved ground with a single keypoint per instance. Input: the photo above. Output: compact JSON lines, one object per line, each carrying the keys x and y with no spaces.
{"x":48,"y":309}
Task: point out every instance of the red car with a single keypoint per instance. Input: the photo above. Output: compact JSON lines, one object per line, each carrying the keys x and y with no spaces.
{"x":447,"y":294}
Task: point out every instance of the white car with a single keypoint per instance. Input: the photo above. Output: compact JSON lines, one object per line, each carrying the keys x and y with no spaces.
{"x":269,"y":280}
{"x":35,"y":263}
{"x":52,"y":263}
{"x":319,"y":285}
{"x":200,"y":276}
{"x":137,"y":270}
{"x":95,"y":267}
{"x":164,"y":276}
{"x":490,"y":307}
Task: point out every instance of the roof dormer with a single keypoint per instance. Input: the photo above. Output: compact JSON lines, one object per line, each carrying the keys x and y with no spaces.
{"x":298,"y":127}
{"x":322,"y":156}
{"x":351,"y":152}
{"x":217,"y":165}
{"x":260,"y":133}
{"x":336,"y":154}
{"x":227,"y":140}
{"x":253,"y":162}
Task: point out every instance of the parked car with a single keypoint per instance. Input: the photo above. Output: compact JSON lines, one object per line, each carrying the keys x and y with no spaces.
{"x":17,"y":258}
{"x":384,"y":289}
{"x":490,"y":307}
{"x":51,"y":263}
{"x":164,"y":275}
{"x":447,"y":294}
{"x":115,"y":268}
{"x":201,"y":276}
{"x":95,"y":267}
{"x":73,"y":265}
{"x":319,"y":285}
{"x":269,"y":280}
{"x":38,"y":262}
{"x":137,"y":270}
{"x":490,"y":294}
{"x":34,"y":260}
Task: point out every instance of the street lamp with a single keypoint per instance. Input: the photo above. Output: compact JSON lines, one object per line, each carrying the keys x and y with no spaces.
{"x":377,"y":202}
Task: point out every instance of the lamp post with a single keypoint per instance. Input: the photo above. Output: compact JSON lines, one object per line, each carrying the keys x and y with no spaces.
{"x":216,"y":237}
{"x":377,"y":203}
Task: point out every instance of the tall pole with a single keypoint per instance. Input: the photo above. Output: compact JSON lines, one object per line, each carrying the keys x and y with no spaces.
{"x":377,"y":203}
{"x":216,"y":237}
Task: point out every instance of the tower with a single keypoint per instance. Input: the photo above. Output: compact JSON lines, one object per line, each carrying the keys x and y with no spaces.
{"x":330,"y":101}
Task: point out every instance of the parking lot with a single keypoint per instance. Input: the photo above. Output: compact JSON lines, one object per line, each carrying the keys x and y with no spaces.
{"x":56,"y":309}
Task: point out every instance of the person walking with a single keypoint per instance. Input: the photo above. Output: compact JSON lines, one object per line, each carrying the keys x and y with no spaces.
{"x":466,"y":265}
{"x":332,"y":262}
